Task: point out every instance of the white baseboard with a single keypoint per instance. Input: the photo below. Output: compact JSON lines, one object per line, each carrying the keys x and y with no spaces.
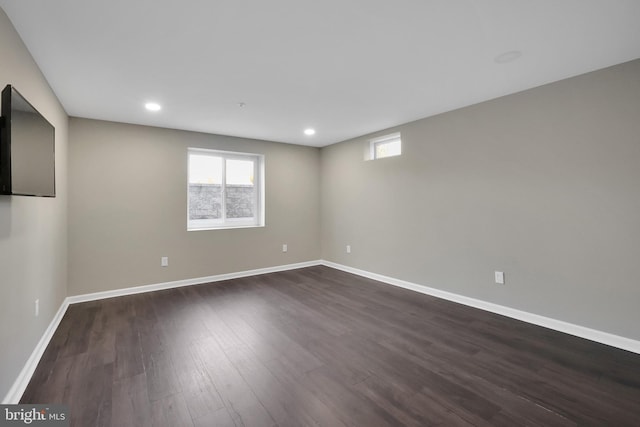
{"x":19,"y":386}
{"x":547,"y":322}
{"x":21,"y":383}
{"x":187,"y":282}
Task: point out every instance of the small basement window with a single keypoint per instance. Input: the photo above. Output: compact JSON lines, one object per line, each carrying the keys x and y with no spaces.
{"x":385,"y":146}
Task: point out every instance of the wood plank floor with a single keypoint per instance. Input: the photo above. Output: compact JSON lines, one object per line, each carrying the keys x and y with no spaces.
{"x":320,"y":347}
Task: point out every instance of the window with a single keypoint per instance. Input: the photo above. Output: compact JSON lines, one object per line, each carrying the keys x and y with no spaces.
{"x":385,"y":146}
{"x":225,"y":189}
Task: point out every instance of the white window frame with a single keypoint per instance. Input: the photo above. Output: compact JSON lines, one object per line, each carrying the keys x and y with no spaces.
{"x":258,"y":182}
{"x":383,"y":140}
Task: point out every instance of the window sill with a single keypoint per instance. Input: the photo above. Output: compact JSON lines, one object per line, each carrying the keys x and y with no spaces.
{"x":224,"y":227}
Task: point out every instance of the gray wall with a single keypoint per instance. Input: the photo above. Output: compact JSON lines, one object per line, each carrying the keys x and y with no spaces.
{"x":543,"y":185}
{"x":33,"y":230}
{"x":128,"y":207}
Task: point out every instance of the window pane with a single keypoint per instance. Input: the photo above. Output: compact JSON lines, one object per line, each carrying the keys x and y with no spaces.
{"x":240,"y":172}
{"x":205,"y":201}
{"x":205,"y":187}
{"x":387,"y":148}
{"x":205,"y":169}
{"x":240,"y":191}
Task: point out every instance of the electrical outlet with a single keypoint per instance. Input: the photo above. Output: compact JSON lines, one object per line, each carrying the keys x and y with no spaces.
{"x":164,"y":261}
{"x":284,"y":248}
{"x":348,"y":249}
{"x":499,"y":275}
{"x":37,"y":308}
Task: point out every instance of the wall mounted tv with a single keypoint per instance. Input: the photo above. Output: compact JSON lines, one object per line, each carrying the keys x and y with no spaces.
{"x":27,"y":148}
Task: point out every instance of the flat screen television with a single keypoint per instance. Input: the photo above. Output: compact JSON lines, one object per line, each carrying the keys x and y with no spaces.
{"x":27,"y":148}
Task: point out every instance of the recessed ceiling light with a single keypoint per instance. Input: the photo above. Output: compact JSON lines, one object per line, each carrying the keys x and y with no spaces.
{"x":309,"y":131}
{"x":242,"y":104}
{"x":152,"y":106}
{"x":509,"y":56}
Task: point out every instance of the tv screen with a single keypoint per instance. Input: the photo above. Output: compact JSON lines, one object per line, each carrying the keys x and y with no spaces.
{"x":27,"y":148}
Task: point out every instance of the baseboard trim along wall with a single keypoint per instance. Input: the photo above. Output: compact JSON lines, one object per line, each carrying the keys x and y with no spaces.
{"x":547,"y":322}
{"x":20,"y":385}
{"x":187,"y":282}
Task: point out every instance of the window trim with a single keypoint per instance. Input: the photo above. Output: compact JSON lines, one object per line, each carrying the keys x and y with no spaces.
{"x":259,"y":181}
{"x":373,"y":142}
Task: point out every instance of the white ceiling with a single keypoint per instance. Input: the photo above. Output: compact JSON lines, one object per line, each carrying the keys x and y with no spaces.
{"x":343,"y":67}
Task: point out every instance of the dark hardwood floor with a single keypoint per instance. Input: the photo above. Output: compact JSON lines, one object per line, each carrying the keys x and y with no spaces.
{"x":317,"y":346}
